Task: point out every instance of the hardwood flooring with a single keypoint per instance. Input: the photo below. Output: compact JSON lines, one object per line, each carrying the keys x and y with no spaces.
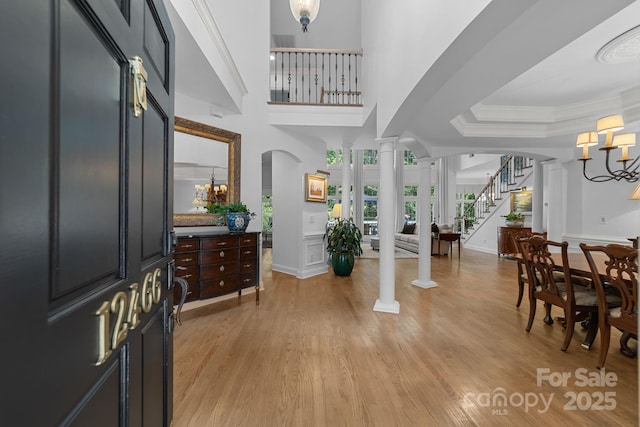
{"x":314,"y":353}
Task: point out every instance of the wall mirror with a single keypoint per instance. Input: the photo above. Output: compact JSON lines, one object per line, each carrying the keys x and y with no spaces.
{"x":203,"y":154}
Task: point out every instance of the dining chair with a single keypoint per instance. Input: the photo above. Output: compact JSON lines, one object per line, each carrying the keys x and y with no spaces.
{"x":553,"y":284}
{"x":618,"y":276}
{"x":522,"y":274}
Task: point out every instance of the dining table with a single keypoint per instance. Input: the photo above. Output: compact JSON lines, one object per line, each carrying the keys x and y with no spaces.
{"x":578,"y":266}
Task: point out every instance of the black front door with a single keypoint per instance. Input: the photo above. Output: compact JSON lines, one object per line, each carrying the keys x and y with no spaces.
{"x":85,"y":193}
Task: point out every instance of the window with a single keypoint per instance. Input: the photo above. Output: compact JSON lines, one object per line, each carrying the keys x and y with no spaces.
{"x":410,"y":202}
{"x":371,"y":190}
{"x":267,"y":212}
{"x":369,"y":157}
{"x":334,"y":157}
{"x":411,"y":190}
{"x":409,"y":158}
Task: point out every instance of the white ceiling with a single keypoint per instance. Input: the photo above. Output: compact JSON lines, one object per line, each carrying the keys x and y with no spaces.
{"x":535,"y":83}
{"x":526,"y":86}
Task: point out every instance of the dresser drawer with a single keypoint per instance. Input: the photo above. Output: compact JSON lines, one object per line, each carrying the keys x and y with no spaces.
{"x":187,"y":244}
{"x":248,"y":239}
{"x":217,"y":287}
{"x":248,"y":252}
{"x":248,"y":265}
{"x":217,"y":257}
{"x":221,"y":242}
{"x":219,"y":270}
{"x":193,"y":293}
{"x":190,"y":274}
{"x":186,"y":259}
{"x":248,"y":280}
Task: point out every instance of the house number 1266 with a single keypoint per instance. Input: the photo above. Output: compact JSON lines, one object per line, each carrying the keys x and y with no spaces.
{"x":126,"y":307}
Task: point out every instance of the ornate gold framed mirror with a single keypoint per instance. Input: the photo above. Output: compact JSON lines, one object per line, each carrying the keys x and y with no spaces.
{"x":233,"y":144}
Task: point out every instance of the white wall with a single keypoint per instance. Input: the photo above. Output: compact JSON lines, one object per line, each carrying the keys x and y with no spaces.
{"x":423,"y":29}
{"x":588,"y":203}
{"x":249,"y":45}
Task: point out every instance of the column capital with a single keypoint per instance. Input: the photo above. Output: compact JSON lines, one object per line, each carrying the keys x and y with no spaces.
{"x":393,"y":139}
{"x":387,"y":144}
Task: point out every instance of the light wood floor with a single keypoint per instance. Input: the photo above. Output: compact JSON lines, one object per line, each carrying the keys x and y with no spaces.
{"x":314,"y":353}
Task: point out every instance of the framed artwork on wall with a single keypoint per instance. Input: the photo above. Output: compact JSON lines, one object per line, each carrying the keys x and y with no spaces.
{"x":315,"y":188}
{"x":522,"y":202}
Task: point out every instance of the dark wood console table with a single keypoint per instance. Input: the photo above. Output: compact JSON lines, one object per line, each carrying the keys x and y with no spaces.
{"x":506,"y":236}
{"x":215,"y":265}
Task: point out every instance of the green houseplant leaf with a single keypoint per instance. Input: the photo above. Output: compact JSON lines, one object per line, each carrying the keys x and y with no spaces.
{"x":514,"y":217}
{"x":344,"y":238}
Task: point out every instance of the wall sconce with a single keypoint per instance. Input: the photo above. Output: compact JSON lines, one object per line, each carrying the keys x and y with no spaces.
{"x":608,"y":125}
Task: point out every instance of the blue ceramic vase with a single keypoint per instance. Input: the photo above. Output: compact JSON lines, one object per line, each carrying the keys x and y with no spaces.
{"x":237,"y":222}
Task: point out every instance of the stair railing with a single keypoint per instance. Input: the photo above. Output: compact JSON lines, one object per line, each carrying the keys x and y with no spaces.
{"x":498,"y":184}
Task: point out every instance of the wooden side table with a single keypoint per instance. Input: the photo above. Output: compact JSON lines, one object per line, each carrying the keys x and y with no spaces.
{"x":449,"y":237}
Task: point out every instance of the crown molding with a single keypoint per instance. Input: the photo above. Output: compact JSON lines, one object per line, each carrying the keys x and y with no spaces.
{"x":541,"y":122}
{"x":218,"y":40}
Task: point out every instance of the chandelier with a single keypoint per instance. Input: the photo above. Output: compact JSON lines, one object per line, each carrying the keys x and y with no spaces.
{"x":210,"y":193}
{"x":629,"y":168}
{"x":305,"y":11}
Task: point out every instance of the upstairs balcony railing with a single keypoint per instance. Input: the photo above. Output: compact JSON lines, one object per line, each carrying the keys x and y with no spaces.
{"x":316,"y":77}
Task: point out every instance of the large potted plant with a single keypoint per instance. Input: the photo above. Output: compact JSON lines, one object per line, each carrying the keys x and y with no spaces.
{"x":343,"y":245}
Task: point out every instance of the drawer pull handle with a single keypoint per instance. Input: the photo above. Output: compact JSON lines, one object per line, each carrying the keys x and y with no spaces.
{"x":222,"y":268}
{"x":187,"y":276}
{"x":247,"y":265}
{"x":181,"y":268}
{"x":187,"y":246}
{"x":222,"y":244}
{"x":246,"y":280}
{"x":247,"y":252}
{"x":221,"y":282}
{"x":221,"y":254}
{"x":187,"y":259}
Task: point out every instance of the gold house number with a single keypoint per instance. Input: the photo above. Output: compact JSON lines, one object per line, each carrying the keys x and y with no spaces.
{"x":126,"y":307}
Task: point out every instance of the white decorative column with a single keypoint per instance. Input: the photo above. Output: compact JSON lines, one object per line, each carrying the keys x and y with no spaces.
{"x":399,"y":193}
{"x":556,"y":201}
{"x":424,"y":199}
{"x":538,"y":197}
{"x":358,"y":190}
{"x":386,"y":228}
{"x":346,"y":180}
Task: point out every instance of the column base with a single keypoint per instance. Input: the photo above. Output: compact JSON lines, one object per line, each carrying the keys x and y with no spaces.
{"x":424,"y":284}
{"x":394,"y":307}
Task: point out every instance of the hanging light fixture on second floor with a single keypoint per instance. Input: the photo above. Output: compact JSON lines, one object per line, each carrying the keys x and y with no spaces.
{"x":305,"y":11}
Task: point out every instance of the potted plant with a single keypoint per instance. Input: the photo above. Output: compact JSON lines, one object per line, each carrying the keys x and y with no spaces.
{"x":514,"y":219}
{"x":235,"y":214}
{"x":218,"y":210}
{"x":343,"y":244}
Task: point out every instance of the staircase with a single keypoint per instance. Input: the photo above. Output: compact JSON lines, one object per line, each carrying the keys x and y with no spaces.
{"x":512,"y":172}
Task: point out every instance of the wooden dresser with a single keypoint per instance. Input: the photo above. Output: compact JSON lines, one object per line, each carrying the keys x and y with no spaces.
{"x":506,"y":244}
{"x":215,"y":265}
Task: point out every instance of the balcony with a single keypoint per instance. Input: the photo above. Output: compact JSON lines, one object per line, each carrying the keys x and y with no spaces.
{"x":316,"y":77}
{"x":315,"y":87}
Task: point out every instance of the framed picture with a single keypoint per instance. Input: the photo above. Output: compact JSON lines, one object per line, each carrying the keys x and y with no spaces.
{"x":316,"y":188}
{"x":522,"y":202}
